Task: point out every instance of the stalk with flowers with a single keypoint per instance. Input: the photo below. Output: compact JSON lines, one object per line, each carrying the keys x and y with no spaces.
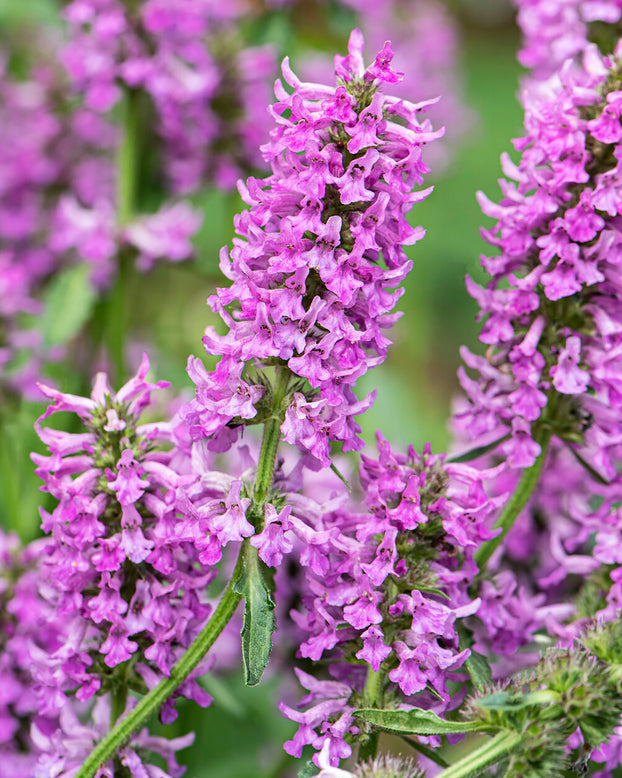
{"x":407,"y":593}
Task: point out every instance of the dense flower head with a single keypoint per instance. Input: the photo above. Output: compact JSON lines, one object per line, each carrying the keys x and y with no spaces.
{"x":386,"y":586}
{"x":63,"y":751}
{"x":425,"y":40}
{"x":319,"y":253}
{"x":555,"y":31}
{"x":25,"y":619}
{"x":209,"y":94}
{"x":550,"y":307}
{"x":120,"y":571}
{"x":548,"y":383}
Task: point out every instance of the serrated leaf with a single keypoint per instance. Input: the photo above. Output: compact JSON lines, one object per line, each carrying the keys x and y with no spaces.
{"x":258,"y":616}
{"x":69,"y":301}
{"x":308,"y":770}
{"x":478,"y":668}
{"x":416,"y":722}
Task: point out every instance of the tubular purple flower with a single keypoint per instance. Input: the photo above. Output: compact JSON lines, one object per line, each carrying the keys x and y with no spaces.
{"x":186,"y":57}
{"x":555,"y":31}
{"x":129,"y":582}
{"x":318,"y":252}
{"x":549,"y":331}
{"x":386,"y":586}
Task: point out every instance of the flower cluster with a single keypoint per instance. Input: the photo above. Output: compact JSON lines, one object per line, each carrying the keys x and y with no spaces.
{"x":125,"y":579}
{"x":209,"y":100}
{"x":320,"y":250}
{"x":547,"y":391}
{"x":26,"y":619}
{"x":551,"y":331}
{"x":557,"y":30}
{"x":63,"y":750}
{"x":397,"y":593}
{"x":384,"y":590}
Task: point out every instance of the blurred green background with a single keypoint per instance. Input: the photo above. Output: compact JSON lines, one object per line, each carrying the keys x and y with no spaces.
{"x":416,"y":384}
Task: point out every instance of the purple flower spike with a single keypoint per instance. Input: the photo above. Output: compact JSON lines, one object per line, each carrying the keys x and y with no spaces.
{"x":389,"y":584}
{"x":310,"y":292}
{"x":550,"y":305}
{"x":120,"y":561}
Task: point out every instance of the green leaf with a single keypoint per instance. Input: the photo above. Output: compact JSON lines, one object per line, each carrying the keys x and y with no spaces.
{"x":475,"y":453}
{"x":258,"y":616}
{"x":477,"y":665}
{"x":417,"y":722}
{"x":478,"y":668}
{"x":69,"y":301}
{"x":308,"y":770}
{"x":511,"y":700}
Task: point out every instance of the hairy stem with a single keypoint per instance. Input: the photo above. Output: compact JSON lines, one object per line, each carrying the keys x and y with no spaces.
{"x":486,"y":755}
{"x":149,"y":704}
{"x":271,"y":437}
{"x":373,"y":699}
{"x":516,"y":503}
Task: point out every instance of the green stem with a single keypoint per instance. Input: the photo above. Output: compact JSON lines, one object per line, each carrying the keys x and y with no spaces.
{"x":373,"y":688}
{"x":116,"y":306}
{"x":127,"y":159}
{"x":149,"y":704}
{"x":487,"y":754}
{"x":271,"y":438}
{"x":116,"y":313}
{"x":516,"y":503}
{"x":372,"y":696}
